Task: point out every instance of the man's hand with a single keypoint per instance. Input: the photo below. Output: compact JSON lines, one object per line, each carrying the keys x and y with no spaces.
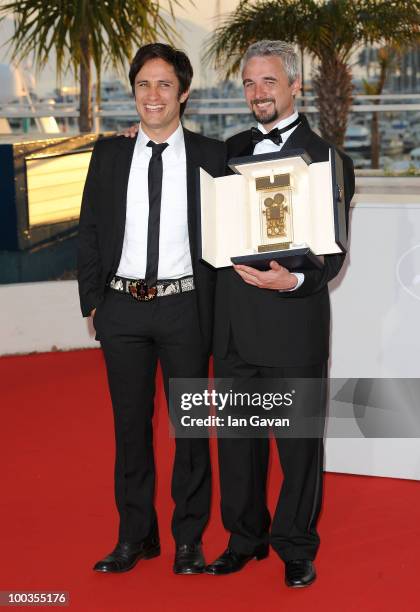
{"x":92,"y":312}
{"x":130,"y":132}
{"x":278,"y":278}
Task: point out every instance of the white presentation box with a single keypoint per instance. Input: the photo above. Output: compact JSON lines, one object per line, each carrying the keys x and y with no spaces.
{"x":278,"y":207}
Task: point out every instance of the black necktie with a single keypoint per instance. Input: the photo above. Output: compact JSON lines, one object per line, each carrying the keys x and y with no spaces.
{"x":275,"y":135}
{"x":155,"y":194}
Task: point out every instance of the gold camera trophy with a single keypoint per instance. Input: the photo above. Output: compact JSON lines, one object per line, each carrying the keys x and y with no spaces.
{"x":276,"y":219}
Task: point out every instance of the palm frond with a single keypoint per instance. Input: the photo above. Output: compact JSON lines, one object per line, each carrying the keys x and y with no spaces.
{"x":112,"y":26}
{"x":81,"y":31}
{"x":287,"y":20}
{"x":322,"y":28}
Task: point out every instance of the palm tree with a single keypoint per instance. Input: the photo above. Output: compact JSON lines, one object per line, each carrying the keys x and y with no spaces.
{"x":329,"y":30}
{"x":82,"y":32}
{"x":386,"y":58}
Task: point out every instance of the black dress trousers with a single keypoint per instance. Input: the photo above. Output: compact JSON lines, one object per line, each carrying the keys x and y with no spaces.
{"x":133,"y":336}
{"x":243,"y":466}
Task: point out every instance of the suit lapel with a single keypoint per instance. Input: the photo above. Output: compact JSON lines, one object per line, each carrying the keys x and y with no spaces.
{"x":193,"y":157}
{"x":122,"y":168}
{"x":299,"y":137}
{"x":248,"y":148}
{"x":245,"y":147}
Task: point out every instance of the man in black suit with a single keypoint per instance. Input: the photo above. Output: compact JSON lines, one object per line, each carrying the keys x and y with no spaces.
{"x":150,"y":298}
{"x":273,"y":324}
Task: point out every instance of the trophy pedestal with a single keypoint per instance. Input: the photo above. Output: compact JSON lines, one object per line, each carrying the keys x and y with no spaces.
{"x":295,"y":260}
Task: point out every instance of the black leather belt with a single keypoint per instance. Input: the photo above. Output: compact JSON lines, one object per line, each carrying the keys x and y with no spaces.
{"x":138,"y":289}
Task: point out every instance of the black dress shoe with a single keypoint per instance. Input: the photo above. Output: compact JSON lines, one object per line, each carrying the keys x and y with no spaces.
{"x":126,"y":554}
{"x":189,"y":559}
{"x":231,"y":561}
{"x":300,"y":573}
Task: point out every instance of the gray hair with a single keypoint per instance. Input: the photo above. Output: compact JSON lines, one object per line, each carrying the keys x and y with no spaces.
{"x":279,"y":48}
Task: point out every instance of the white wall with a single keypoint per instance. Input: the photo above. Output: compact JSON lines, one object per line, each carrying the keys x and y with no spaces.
{"x":376,"y":324}
{"x":42,"y":317}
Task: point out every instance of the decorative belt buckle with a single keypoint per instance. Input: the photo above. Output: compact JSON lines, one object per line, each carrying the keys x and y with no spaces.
{"x":141,"y":292}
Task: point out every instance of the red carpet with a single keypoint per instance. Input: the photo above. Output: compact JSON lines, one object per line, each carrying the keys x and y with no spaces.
{"x":57,"y":515}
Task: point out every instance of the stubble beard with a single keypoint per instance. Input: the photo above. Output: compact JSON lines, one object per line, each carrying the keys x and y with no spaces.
{"x":265,"y":118}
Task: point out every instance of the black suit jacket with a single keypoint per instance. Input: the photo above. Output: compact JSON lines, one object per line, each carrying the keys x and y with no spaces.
{"x":103,"y":214}
{"x":272,"y":328}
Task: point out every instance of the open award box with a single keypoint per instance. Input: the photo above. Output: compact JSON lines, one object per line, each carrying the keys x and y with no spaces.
{"x":281,"y":207}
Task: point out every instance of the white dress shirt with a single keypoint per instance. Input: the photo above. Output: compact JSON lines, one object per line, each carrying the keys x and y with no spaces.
{"x":268,"y":146}
{"x":174,"y":245}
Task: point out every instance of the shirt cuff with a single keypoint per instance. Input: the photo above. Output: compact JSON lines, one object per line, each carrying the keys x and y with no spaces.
{"x":300,"y":278}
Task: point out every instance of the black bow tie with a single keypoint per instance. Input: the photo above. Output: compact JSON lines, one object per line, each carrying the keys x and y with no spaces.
{"x":274,"y":135}
{"x":257,"y":136}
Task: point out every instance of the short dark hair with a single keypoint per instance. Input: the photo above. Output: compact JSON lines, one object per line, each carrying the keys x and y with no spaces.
{"x":176,"y":58}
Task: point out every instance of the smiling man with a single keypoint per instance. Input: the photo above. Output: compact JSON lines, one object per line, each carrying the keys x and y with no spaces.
{"x":271,"y":325}
{"x":150,"y":299}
